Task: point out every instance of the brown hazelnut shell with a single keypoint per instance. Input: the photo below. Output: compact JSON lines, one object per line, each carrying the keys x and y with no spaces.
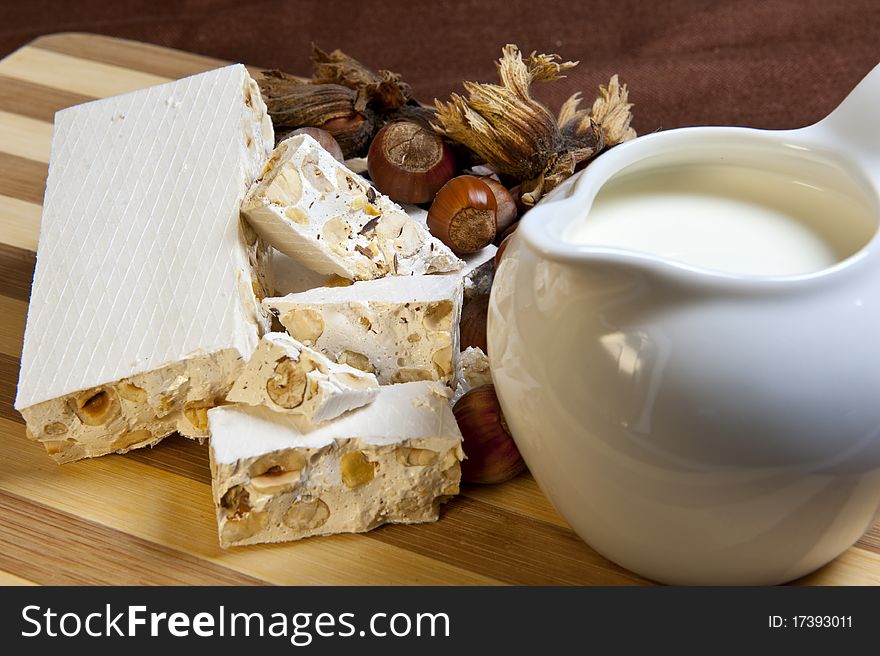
{"x":492,"y":456}
{"x":507,"y":212}
{"x":409,"y":162}
{"x":463,"y":214}
{"x":474,"y":317}
{"x":324,"y":138}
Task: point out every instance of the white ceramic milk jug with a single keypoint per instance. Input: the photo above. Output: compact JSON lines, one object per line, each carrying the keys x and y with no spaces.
{"x":702,"y":424}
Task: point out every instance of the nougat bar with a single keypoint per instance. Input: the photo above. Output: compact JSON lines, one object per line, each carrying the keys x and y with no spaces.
{"x":401,"y":328}
{"x":277,"y":477}
{"x":315,"y":210}
{"x":146,"y":291}
{"x":286,"y":376}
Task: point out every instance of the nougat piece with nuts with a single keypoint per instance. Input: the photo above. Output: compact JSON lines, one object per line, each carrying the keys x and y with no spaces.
{"x":401,"y":329}
{"x":278,"y":477}
{"x":285,"y":376}
{"x":290,"y":276}
{"x":147,"y":289}
{"x":315,"y":210}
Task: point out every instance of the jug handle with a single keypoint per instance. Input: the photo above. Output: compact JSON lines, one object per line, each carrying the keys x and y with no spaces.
{"x":855,"y":123}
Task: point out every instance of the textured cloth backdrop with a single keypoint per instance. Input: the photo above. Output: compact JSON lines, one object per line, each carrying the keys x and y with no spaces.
{"x":771,"y":63}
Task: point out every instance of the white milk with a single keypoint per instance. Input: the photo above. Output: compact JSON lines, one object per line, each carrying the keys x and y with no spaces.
{"x":728,"y":218}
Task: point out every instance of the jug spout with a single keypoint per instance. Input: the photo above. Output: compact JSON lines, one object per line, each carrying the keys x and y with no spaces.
{"x":855,"y":123}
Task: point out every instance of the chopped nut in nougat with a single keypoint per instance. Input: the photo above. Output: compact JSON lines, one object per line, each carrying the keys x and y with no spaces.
{"x":287,"y":377}
{"x":312,"y":208}
{"x":291,"y":277}
{"x":278,"y":477}
{"x":402,"y":329}
{"x":147,"y":289}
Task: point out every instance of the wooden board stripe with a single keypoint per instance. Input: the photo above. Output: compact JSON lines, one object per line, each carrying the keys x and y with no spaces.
{"x":173,"y":511}
{"x":36,"y":101}
{"x":855,"y":567}
{"x":178,"y":455}
{"x":871,"y":539}
{"x":73,"y":74}
{"x":465,"y":522}
{"x":19,"y":223}
{"x":9,"y":367}
{"x":25,"y":137}
{"x":16,"y":272}
{"x":22,"y":179}
{"x":12,"y":318}
{"x":188,"y":458}
{"x":64,"y":549}
{"x":508,"y":547}
{"x":522,"y":496}
{"x":7,"y":579}
{"x":464,"y":525}
{"x":130,"y":55}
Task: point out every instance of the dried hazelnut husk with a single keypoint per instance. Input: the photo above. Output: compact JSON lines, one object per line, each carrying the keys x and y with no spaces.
{"x":504,"y":125}
{"x":293,"y":103}
{"x":492,"y":456}
{"x":383,"y":89}
{"x":324,"y":138}
{"x":463,"y":214}
{"x":519,"y":137}
{"x":409,"y":162}
{"x":611,"y":115}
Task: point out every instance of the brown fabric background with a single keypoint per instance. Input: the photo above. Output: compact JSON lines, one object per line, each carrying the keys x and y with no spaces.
{"x":773,"y":63}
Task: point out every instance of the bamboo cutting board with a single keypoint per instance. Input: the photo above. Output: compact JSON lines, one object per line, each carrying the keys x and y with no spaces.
{"x":147,"y":517}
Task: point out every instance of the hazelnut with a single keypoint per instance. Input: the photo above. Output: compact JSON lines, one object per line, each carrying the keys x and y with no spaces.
{"x":411,"y":375}
{"x":287,"y":388}
{"x":356,"y":360}
{"x":356,"y":469}
{"x":304,"y":325}
{"x":285,"y":188}
{"x":306,"y":514}
{"x":95,"y":407}
{"x":501,"y":248}
{"x":413,"y":457}
{"x":314,"y":175}
{"x":196,"y":412}
{"x":409,"y":162}
{"x":324,"y":138}
{"x":506,"y":212}
{"x":275,"y":480}
{"x":492,"y":456}
{"x":463,"y":214}
{"x":131,"y":392}
{"x":435,"y":314}
{"x":474,"y":317}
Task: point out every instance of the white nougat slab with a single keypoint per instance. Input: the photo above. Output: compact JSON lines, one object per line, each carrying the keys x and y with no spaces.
{"x":143,"y":260}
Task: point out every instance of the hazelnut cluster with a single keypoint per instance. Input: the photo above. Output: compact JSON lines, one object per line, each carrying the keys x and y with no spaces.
{"x":477,"y":162}
{"x":512,"y":144}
